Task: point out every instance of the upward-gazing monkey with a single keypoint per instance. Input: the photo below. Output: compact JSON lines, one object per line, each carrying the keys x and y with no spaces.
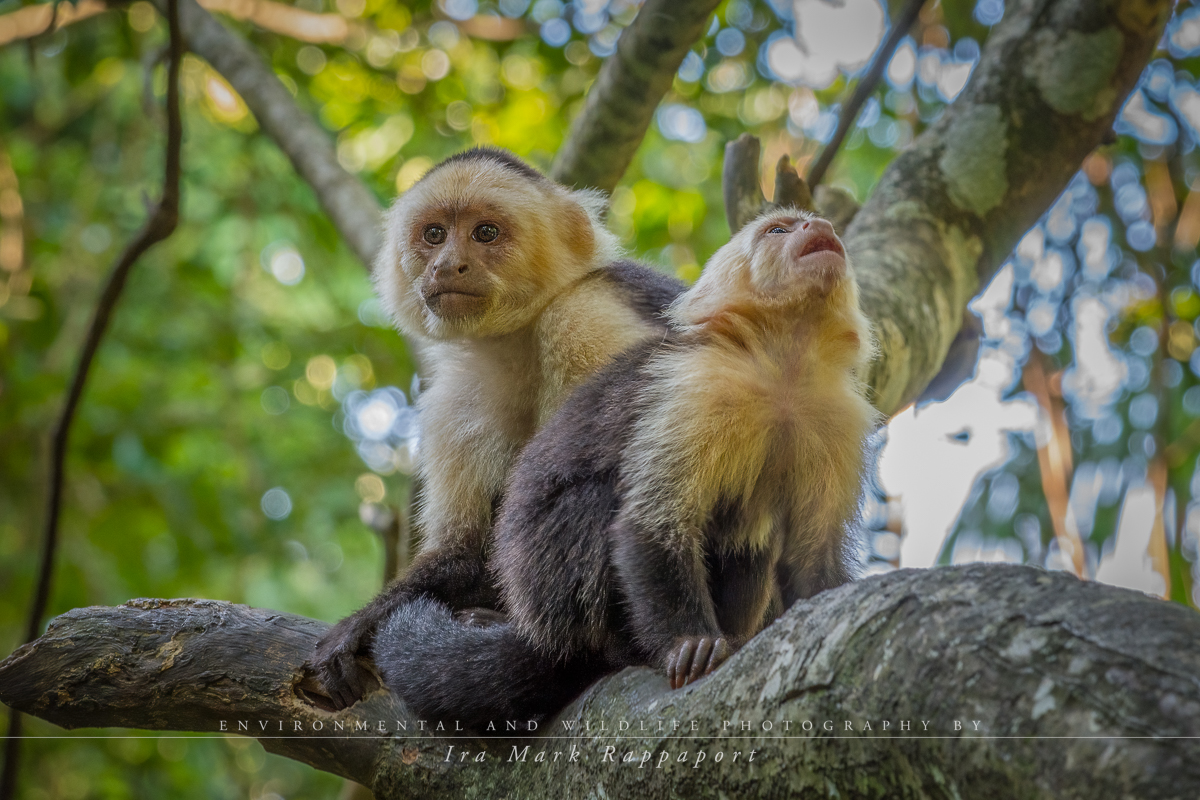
{"x":678,"y":500}
{"x":513,"y":290}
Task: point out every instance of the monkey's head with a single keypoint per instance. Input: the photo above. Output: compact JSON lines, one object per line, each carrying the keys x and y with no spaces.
{"x":786,"y":268}
{"x":785,"y":261}
{"x":482,"y":243}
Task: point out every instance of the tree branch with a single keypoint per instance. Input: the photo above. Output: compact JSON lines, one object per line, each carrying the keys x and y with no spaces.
{"x":739,"y":183}
{"x":1078,"y":689}
{"x":607,"y":133}
{"x":33,"y":21}
{"x":351,"y":206}
{"x":865,"y":88}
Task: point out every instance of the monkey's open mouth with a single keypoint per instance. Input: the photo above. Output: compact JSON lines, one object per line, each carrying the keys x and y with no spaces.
{"x":823,"y":244}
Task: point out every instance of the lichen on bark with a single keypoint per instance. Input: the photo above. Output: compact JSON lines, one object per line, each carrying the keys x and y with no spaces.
{"x":973,"y":159}
{"x":1074,"y":73}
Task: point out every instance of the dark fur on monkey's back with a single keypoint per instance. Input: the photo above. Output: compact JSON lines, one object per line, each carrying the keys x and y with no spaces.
{"x":649,"y":291}
{"x":561,"y":498}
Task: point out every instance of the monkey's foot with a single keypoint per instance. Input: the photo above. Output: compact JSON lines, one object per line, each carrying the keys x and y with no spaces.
{"x":694,"y":657}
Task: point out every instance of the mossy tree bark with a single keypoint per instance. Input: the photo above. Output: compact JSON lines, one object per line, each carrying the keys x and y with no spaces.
{"x":977,"y":681}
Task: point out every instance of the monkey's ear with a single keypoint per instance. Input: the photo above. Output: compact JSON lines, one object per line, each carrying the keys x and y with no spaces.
{"x":578,"y":231}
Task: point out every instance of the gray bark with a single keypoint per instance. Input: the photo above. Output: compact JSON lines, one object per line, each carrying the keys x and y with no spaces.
{"x":1079,"y":690}
{"x":607,"y":133}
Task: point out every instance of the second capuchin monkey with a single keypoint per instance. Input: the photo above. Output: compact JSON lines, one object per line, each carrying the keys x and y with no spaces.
{"x":513,"y":291}
{"x":679,"y":500}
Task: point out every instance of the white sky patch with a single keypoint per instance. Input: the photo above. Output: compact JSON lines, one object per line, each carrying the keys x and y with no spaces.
{"x":287,"y":266}
{"x":829,"y":36}
{"x":903,"y":65}
{"x":1137,"y":119}
{"x":1128,"y":564}
{"x":1183,"y":33}
{"x":931,"y":471}
{"x":992,"y":305}
{"x":1186,"y":102}
{"x":1097,"y":375}
{"x":952,"y":78}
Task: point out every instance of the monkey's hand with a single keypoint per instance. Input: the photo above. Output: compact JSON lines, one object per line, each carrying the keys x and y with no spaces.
{"x":336,"y":659}
{"x":693,"y":657}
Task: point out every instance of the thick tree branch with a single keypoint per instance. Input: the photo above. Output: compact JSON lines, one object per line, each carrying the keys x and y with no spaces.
{"x":351,"y":206}
{"x":952,"y":206}
{"x":632,"y":82}
{"x":1078,"y":689}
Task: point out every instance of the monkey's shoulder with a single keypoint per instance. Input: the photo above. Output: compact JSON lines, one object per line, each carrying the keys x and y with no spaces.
{"x":588,"y":433}
{"x":647,"y":290}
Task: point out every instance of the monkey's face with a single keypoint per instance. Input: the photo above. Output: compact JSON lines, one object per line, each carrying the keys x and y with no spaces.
{"x":788,"y":259}
{"x":476,"y":249}
{"x":796,"y":254}
{"x":462,"y":253}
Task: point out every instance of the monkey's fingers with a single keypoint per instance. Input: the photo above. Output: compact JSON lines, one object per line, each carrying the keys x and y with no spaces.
{"x":703,"y":649}
{"x":679,"y":661}
{"x":337,"y":684}
{"x":695,"y":657}
{"x":339,"y":672}
{"x":721,"y":651}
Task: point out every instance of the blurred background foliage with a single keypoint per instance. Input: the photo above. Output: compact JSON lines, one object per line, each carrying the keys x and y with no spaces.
{"x":245,"y":404}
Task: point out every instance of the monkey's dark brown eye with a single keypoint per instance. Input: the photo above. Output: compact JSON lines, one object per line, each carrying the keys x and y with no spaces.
{"x":435,"y":234}
{"x":778,"y":229}
{"x":486,"y":232}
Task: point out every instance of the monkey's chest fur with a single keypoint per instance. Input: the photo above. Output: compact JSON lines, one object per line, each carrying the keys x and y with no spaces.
{"x":770,"y":437}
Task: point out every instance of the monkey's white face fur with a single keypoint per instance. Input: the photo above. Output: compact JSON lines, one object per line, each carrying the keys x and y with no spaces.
{"x":478,"y":249}
{"x":781,"y":263}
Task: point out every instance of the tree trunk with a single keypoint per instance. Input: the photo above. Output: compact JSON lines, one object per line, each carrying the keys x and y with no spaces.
{"x":975,"y":681}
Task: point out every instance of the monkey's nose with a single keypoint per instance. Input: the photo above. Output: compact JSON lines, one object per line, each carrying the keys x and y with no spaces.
{"x":462,"y":269}
{"x":817,"y":235}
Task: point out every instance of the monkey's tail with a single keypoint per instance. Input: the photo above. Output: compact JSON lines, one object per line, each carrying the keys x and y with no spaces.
{"x":449,"y":670}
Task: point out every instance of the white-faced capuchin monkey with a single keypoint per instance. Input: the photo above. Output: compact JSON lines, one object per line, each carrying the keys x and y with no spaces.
{"x":514,"y":292}
{"x":679,"y":500}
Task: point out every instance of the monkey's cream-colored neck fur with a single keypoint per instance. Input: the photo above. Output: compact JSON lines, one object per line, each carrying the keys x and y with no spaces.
{"x":489,"y":395}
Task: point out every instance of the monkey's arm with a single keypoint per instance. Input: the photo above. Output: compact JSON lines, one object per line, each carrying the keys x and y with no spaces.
{"x":451,"y":575}
{"x":665,"y":581}
{"x":462,"y":471}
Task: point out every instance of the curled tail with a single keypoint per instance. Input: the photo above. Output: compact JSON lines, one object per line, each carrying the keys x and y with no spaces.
{"x":451,"y":670}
